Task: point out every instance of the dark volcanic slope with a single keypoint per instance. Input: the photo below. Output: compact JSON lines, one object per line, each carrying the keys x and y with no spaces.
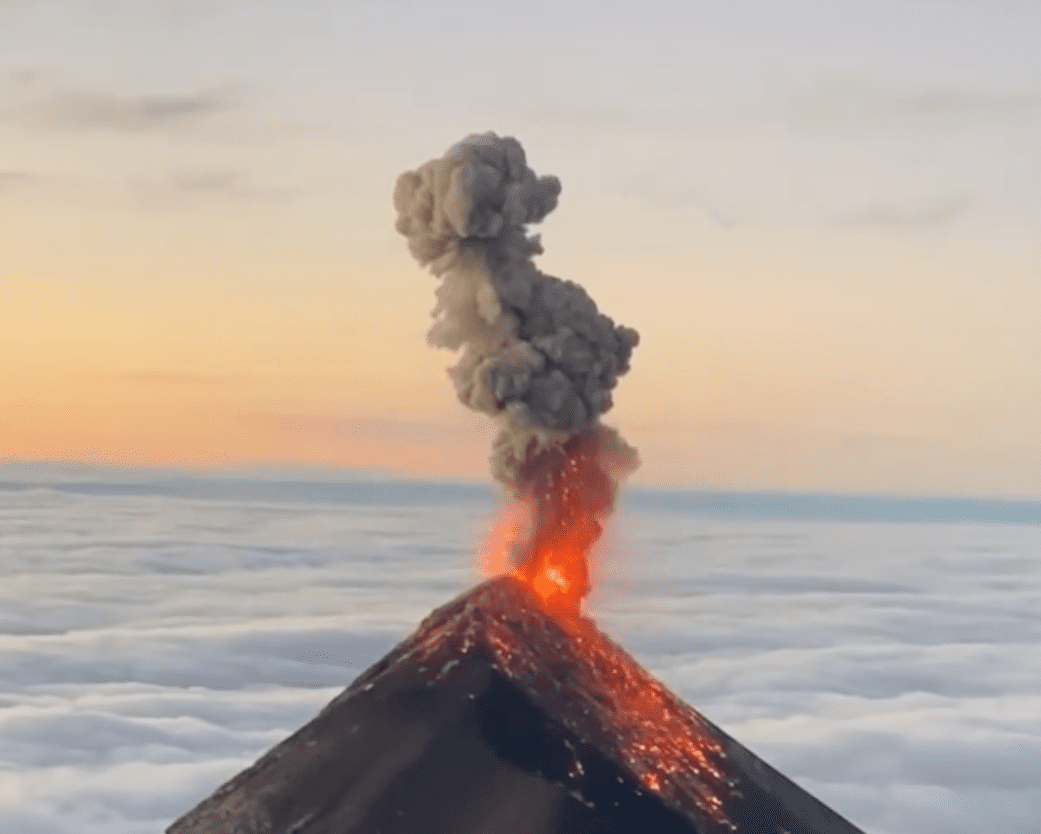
{"x":493,"y":718}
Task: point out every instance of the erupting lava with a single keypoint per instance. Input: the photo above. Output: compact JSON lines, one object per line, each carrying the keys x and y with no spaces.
{"x":538,"y":357}
{"x":565,"y":495}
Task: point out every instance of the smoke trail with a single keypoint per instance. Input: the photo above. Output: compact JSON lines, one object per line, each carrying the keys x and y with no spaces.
{"x":536,"y":354}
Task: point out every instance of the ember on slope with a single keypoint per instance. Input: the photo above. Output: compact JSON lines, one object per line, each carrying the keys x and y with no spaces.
{"x":537,"y":355}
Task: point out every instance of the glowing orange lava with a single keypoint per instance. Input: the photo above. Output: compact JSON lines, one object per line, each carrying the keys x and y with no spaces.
{"x":552,"y":525}
{"x":570,"y":669}
{"x":506,"y":539}
{"x":565,"y":526}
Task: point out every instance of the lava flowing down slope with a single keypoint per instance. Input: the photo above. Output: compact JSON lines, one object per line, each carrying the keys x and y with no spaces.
{"x":497,"y":717}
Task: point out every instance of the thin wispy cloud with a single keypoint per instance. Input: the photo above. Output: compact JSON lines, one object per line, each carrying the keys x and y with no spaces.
{"x":181,"y":189}
{"x":773,"y":432}
{"x":11,"y":180}
{"x":669,"y":196}
{"x":42,"y":100}
{"x":908,"y":219}
{"x":163,"y":378}
{"x":565,"y":115}
{"x":859,"y":104}
{"x":867,"y":440}
{"x":417,"y":432}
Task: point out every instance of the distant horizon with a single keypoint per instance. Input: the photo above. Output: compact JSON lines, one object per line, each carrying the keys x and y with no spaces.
{"x":764,"y":502}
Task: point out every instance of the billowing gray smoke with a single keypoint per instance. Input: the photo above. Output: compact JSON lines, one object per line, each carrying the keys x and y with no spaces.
{"x":537,"y":355}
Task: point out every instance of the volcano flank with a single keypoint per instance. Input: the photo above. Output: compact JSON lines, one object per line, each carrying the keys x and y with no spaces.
{"x":496,"y":717}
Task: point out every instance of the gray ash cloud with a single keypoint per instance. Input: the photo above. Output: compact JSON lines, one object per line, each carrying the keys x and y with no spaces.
{"x":537,"y":355}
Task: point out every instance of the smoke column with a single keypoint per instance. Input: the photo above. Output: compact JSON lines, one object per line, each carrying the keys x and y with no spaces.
{"x":537,"y":355}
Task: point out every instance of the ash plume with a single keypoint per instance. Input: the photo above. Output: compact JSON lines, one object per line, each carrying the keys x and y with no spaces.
{"x":537,"y":355}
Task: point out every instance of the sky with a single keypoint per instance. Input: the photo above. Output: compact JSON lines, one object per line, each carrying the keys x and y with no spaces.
{"x":821,"y":216}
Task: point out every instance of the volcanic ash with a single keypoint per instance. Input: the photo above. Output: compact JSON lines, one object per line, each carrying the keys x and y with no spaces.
{"x":537,"y":355}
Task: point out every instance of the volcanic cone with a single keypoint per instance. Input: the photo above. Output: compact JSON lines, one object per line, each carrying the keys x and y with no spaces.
{"x":497,"y":717}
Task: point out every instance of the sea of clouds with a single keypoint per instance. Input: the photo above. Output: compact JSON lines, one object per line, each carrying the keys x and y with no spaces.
{"x":159,"y":631}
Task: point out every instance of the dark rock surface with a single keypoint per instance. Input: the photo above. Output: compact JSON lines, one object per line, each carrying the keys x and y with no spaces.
{"x":493,"y":718}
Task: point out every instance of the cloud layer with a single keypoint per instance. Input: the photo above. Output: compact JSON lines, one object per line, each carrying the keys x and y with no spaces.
{"x":157,"y":633}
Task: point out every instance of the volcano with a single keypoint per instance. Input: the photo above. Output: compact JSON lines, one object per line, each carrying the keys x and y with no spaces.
{"x":508,"y":711}
{"x":498,"y":717}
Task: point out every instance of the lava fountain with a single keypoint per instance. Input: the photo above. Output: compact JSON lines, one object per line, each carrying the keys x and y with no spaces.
{"x":552,"y":524}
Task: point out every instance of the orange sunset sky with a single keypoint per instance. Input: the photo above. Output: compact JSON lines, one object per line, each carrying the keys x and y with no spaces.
{"x":824,"y":224}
